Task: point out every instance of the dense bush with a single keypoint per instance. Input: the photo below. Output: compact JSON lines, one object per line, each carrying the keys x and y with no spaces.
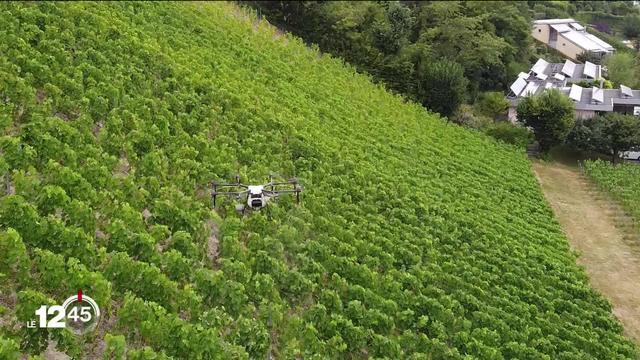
{"x":551,"y":115}
{"x":622,"y":69}
{"x":492,"y":104}
{"x":610,"y":134}
{"x":467,"y":116}
{"x":510,"y":133}
{"x":122,"y":113}
{"x":442,"y":87}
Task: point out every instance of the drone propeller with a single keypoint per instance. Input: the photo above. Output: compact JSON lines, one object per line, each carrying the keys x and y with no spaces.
{"x":216,"y":186}
{"x":296,"y":190}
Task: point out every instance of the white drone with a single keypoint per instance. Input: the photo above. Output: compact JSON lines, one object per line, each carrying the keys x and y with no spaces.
{"x":256,"y":196}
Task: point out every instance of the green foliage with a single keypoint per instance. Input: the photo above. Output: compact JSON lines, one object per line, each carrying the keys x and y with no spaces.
{"x":32,"y":340}
{"x":492,"y":104}
{"x":509,"y":133}
{"x":14,"y":263}
{"x":606,"y":84}
{"x":414,"y":238}
{"x":442,"y":87}
{"x":622,"y":69}
{"x":115,"y":347}
{"x":146,"y":353}
{"x":550,"y":114}
{"x":9,"y":350}
{"x":466,"y":116}
{"x":393,"y":41}
{"x":622,"y":181}
{"x":609,"y":134}
{"x":618,"y":133}
{"x":631,"y":26}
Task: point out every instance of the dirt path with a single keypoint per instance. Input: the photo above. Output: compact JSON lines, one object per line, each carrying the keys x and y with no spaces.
{"x":597,"y":228}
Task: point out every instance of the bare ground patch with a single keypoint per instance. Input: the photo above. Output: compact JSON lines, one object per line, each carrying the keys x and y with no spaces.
{"x":213,"y":244}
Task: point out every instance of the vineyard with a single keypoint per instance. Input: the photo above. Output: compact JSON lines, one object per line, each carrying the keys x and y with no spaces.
{"x":621,"y":181}
{"x":414,"y":238}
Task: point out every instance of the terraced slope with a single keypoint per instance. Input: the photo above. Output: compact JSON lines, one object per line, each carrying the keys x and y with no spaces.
{"x":414,"y":239}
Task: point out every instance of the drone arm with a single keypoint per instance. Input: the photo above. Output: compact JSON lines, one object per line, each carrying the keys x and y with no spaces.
{"x":297,"y":191}
{"x":215,"y":185}
{"x":281,"y":183}
{"x":215,"y":193}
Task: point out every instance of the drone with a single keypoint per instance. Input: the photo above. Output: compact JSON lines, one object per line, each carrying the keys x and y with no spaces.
{"x":256,"y":197}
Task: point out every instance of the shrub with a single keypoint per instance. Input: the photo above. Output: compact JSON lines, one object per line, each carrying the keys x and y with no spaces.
{"x":509,"y":133}
{"x":466,"y":117}
{"x":492,"y":104}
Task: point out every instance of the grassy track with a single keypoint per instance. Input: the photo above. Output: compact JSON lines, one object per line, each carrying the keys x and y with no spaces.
{"x":599,"y":230}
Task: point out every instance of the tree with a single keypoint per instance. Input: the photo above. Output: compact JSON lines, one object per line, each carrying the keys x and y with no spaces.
{"x":442,"y":87}
{"x":492,"y":104}
{"x":581,"y":136}
{"x":631,"y":29}
{"x":550,"y":114}
{"x":620,"y":133}
{"x":611,"y":134}
{"x":622,"y":69}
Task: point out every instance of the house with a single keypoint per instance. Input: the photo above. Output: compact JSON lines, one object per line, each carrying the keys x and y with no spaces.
{"x":589,"y":101}
{"x":569,"y":38}
{"x":567,"y":71}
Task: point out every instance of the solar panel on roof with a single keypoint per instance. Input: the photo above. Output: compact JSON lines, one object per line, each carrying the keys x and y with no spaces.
{"x":597,"y":95}
{"x":530,"y":89}
{"x":540,"y":66}
{"x":626,"y":91}
{"x":541,"y":76}
{"x":576,"y":92}
{"x":590,"y":70}
{"x":518,"y":86}
{"x":568,"y":68}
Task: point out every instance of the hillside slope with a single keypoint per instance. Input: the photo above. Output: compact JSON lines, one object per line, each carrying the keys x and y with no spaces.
{"x":414,"y":238}
{"x":621,"y":181}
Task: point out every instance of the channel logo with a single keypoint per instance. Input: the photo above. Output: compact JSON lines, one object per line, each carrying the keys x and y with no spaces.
{"x":78,"y":313}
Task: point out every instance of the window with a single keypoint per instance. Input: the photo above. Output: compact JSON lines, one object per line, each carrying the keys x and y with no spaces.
{"x":563,"y":44}
{"x":539,"y":30}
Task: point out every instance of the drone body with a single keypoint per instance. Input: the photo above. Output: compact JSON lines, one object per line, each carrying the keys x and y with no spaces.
{"x":256,"y":197}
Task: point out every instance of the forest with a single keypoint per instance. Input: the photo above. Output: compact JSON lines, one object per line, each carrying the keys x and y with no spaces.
{"x":484,"y":44}
{"x":115,"y":118}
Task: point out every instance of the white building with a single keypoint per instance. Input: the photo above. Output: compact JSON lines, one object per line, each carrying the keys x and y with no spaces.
{"x":569,"y":38}
{"x":588,"y":101}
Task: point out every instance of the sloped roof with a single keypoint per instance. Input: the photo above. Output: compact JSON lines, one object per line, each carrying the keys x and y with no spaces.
{"x":600,"y":42}
{"x":583,"y":41}
{"x":561,"y":27}
{"x":554,"y":21}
